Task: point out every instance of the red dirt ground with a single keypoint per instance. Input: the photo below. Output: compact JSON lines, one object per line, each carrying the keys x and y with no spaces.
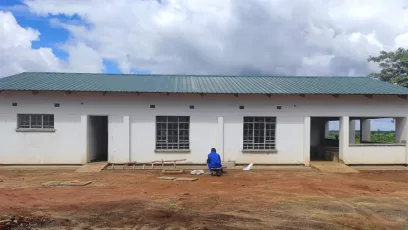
{"x":258,"y":199}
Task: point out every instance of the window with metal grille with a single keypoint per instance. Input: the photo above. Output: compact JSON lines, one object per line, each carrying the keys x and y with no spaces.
{"x":35,"y":121}
{"x":172,"y":132}
{"x":259,"y":133}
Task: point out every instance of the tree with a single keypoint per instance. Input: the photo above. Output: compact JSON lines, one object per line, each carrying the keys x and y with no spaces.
{"x":394,"y":66}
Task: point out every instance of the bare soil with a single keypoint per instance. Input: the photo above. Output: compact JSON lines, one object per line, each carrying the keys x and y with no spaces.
{"x":258,"y":199}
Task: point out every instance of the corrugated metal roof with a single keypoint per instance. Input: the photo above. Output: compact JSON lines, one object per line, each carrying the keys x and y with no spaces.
{"x":92,"y":82}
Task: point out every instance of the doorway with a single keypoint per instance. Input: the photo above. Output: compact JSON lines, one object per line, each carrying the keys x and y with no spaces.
{"x":324,"y":138}
{"x":97,"y":138}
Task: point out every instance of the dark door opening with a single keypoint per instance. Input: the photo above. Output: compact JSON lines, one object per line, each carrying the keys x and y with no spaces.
{"x":324,"y":138}
{"x":97,"y":138}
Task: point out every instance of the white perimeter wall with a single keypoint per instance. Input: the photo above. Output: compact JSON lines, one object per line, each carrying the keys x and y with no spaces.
{"x":376,"y":155}
{"x":132,"y":126}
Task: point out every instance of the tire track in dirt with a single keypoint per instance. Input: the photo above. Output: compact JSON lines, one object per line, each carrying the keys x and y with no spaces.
{"x":363,"y":211}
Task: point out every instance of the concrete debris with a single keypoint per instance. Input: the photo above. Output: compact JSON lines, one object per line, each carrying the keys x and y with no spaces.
{"x":249,"y":167}
{"x":228,"y":164}
{"x":92,"y":167}
{"x":197,"y":172}
{"x":186,"y":179}
{"x":177,"y":178}
{"x":173,"y":171}
{"x":166,"y":178}
{"x":22,"y":222}
{"x":332,"y":167}
{"x":66,"y":183}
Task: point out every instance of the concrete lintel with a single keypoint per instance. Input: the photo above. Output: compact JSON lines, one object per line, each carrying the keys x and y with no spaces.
{"x":376,"y":145}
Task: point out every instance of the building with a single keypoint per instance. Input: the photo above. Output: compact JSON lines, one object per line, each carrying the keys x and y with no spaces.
{"x":75,"y":118}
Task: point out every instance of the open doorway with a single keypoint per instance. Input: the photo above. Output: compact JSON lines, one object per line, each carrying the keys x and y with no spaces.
{"x":97,"y":138}
{"x":324,"y":138}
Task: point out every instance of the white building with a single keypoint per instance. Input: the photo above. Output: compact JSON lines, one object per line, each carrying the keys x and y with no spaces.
{"x":69,"y":118}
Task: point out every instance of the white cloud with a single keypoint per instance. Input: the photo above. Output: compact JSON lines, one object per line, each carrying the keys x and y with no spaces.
{"x":16,"y":54}
{"x":401,"y":40}
{"x":83,"y":58}
{"x":312,"y":37}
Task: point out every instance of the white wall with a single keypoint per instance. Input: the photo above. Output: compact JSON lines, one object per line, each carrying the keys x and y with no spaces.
{"x":288,"y":132}
{"x":376,"y":155}
{"x":119,"y":138}
{"x":66,"y":146}
{"x":131,"y":124}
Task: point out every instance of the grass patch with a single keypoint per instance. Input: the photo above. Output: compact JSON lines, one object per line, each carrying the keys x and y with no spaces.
{"x":370,"y":226}
{"x":363,"y":200}
{"x":312,"y":198}
{"x":285,"y":205}
{"x":172,"y":206}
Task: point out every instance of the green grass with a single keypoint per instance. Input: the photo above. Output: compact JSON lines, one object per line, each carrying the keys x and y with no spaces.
{"x":172,"y":207}
{"x":285,"y":205}
{"x":370,"y":226}
{"x":376,"y":136}
{"x":363,"y":200}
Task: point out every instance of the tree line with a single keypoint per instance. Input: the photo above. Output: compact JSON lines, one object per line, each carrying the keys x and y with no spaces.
{"x":393,"y":65}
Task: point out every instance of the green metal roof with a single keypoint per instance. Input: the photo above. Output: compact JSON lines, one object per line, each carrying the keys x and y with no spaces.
{"x":93,"y":82}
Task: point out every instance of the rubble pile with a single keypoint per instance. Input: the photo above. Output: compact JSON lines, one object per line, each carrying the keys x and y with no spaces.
{"x":21,"y":222}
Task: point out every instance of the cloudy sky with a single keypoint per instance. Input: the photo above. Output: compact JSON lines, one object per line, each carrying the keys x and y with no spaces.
{"x":256,"y":37}
{"x":229,"y":37}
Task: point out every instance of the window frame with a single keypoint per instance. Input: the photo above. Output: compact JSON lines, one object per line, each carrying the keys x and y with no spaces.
{"x":165,"y":145}
{"x":246,"y":144}
{"x":24,"y":125}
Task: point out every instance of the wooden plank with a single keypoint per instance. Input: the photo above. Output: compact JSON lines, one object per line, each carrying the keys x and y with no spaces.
{"x":166,"y":178}
{"x":186,"y":179}
{"x":65,"y":183}
{"x":173,"y":171}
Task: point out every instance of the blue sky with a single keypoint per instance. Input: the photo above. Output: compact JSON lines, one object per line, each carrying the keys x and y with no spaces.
{"x":50,"y":35}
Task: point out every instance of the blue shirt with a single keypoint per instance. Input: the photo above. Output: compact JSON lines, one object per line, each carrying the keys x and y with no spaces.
{"x":214,"y":160}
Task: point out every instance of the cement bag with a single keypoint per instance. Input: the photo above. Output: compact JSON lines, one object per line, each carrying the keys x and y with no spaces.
{"x":197,"y":172}
{"x":249,"y":167}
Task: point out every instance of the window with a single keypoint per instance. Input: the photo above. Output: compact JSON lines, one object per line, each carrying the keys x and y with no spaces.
{"x":259,"y":133}
{"x":172,"y":133}
{"x":374,"y":131}
{"x":35,"y":121}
